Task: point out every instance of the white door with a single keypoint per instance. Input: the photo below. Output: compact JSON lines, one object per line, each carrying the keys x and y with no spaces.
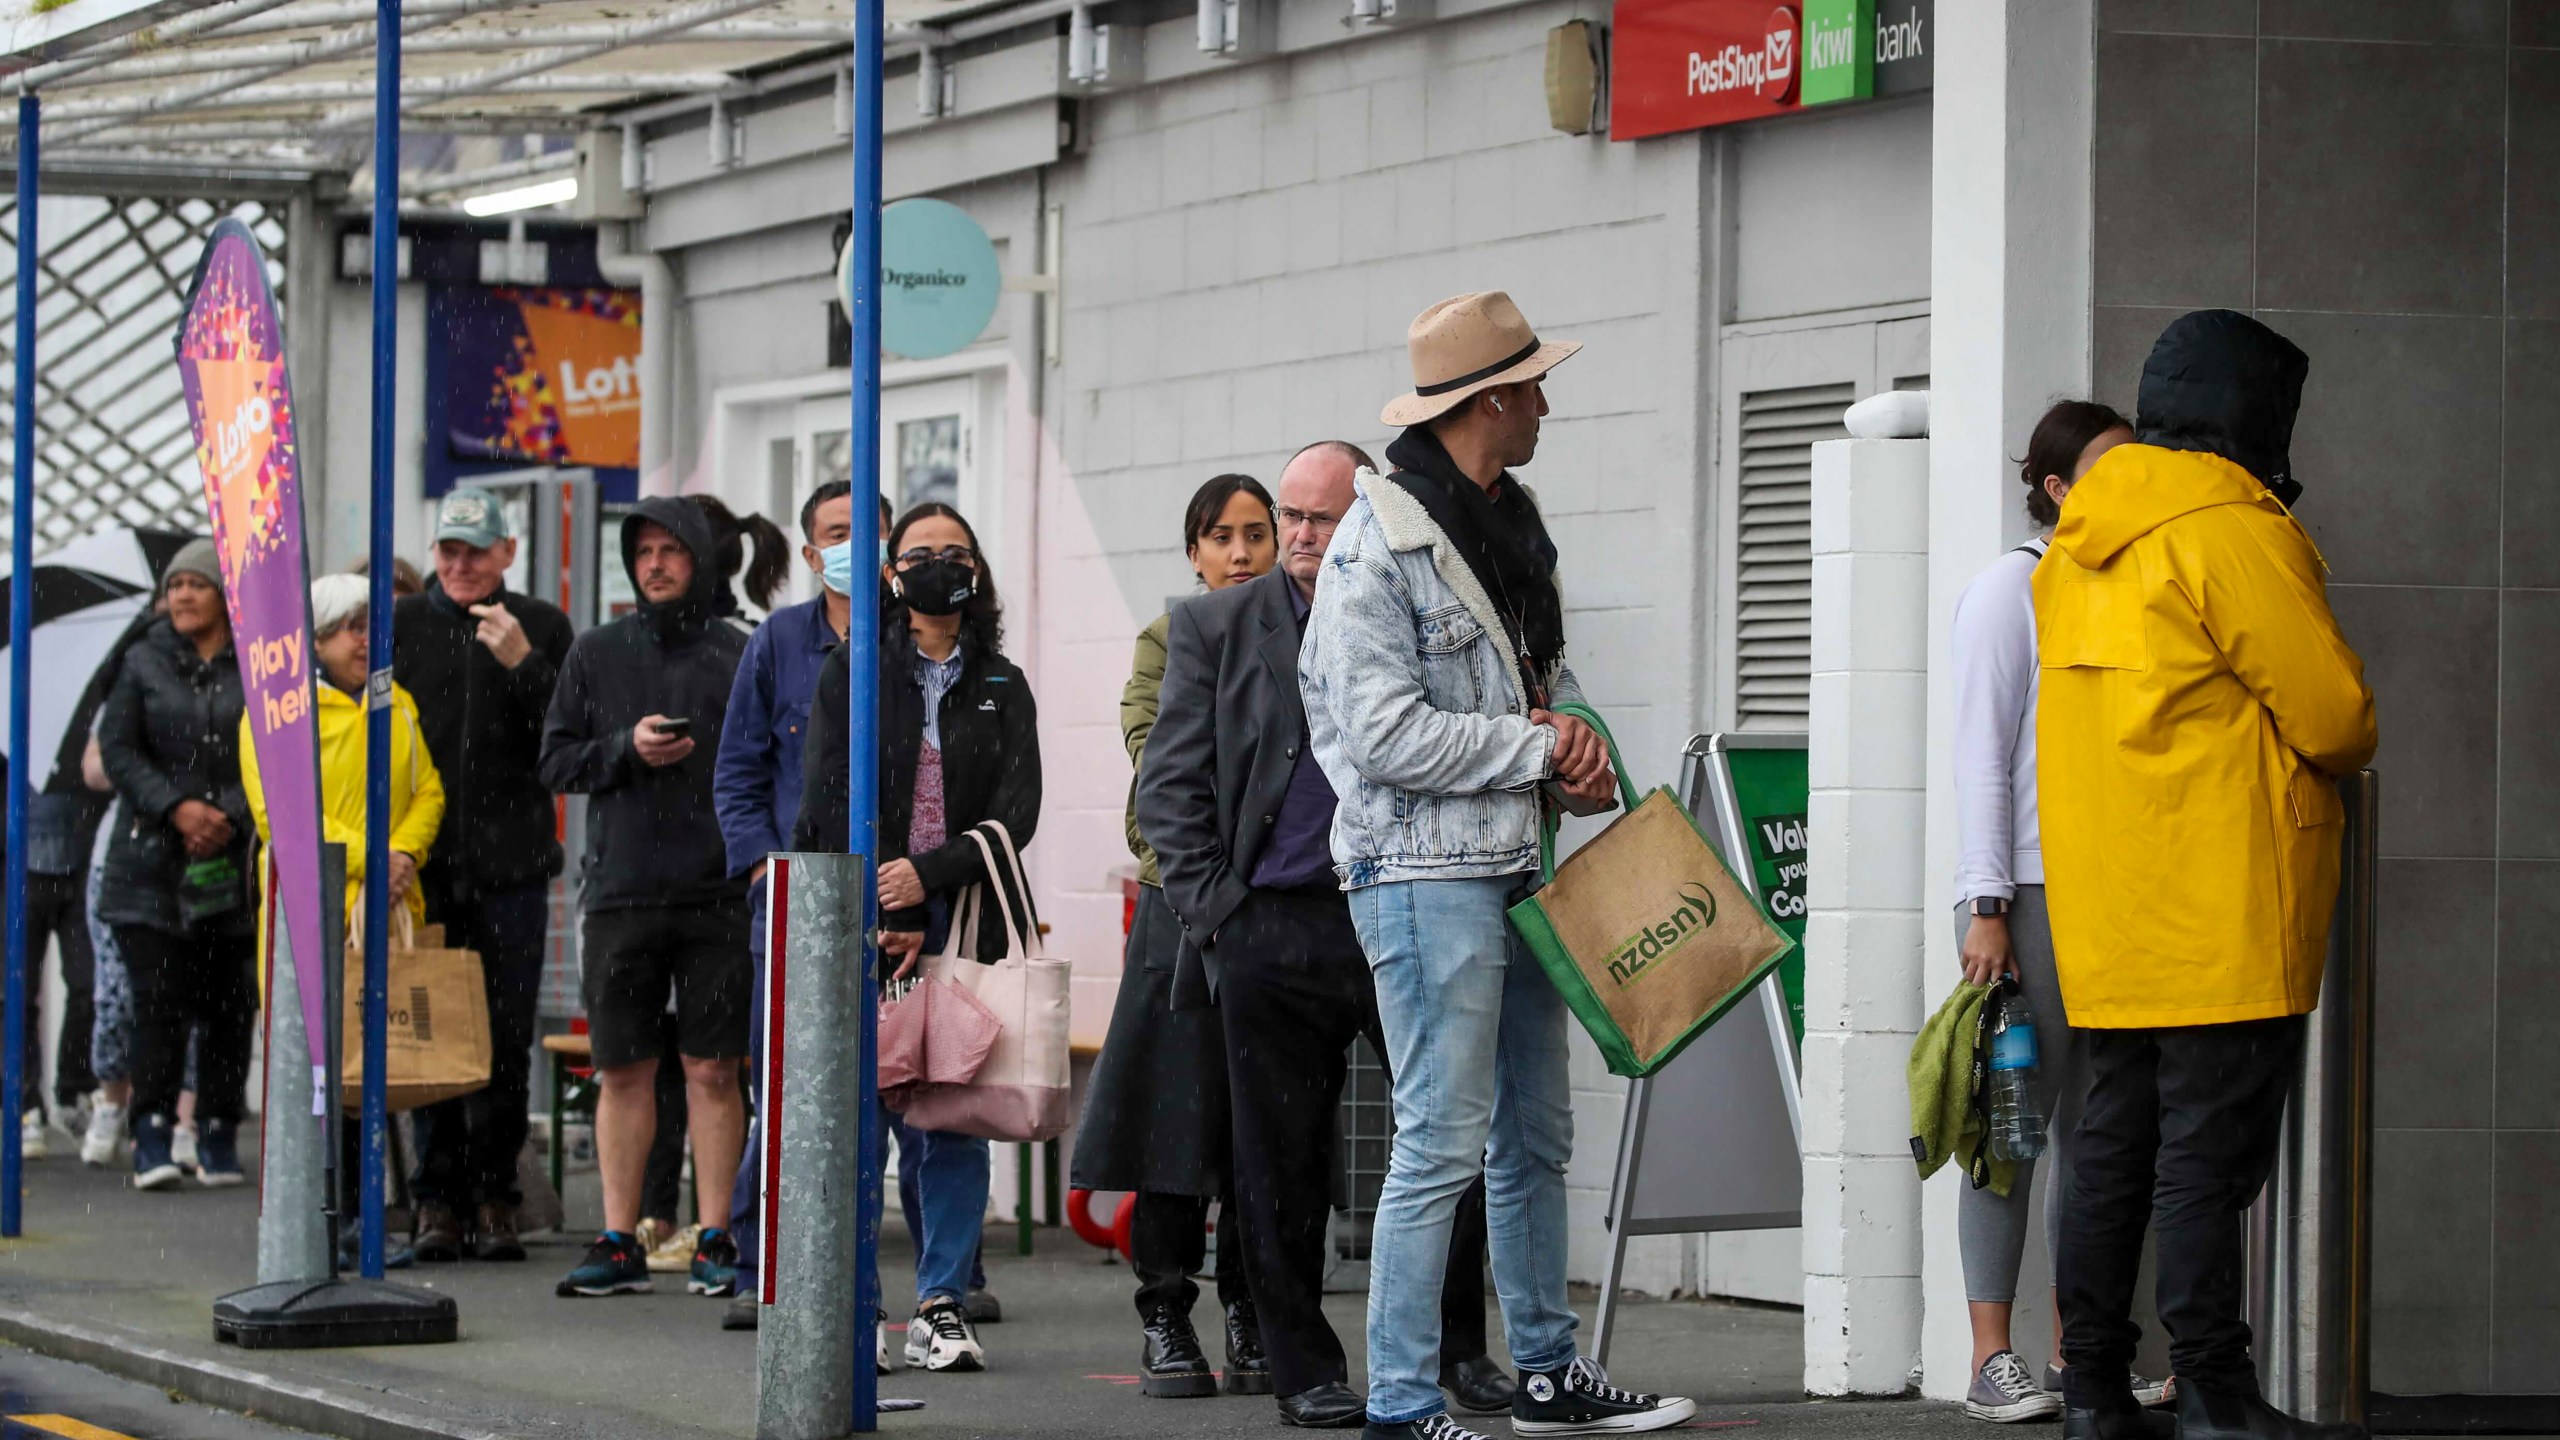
{"x":934,"y":446}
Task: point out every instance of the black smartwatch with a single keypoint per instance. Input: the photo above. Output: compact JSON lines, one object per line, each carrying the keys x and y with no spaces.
{"x":1990,"y":905}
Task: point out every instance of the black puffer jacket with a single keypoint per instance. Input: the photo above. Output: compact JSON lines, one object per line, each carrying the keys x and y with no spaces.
{"x":483,"y":723}
{"x":170,"y":731}
{"x":990,"y":766}
{"x":652,"y":836}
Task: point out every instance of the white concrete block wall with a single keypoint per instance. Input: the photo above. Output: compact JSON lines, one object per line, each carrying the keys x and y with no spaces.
{"x":1866,"y":809}
{"x":2011,"y":212}
{"x":1244,"y":250}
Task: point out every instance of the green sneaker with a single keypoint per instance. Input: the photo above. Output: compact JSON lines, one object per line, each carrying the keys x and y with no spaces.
{"x":715,"y":1266}
{"x":614,"y":1265}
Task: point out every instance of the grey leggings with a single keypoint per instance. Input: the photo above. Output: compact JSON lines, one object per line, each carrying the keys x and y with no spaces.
{"x":1991,"y":1229}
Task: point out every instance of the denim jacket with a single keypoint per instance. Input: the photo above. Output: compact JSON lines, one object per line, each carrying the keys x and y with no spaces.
{"x":1412,"y":707}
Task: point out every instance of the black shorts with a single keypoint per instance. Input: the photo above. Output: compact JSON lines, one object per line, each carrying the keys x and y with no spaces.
{"x":630,"y":958}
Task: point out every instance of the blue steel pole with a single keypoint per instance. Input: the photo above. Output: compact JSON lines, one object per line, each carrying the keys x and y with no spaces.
{"x":862,"y":659}
{"x":22,"y":615}
{"x":377,"y":734}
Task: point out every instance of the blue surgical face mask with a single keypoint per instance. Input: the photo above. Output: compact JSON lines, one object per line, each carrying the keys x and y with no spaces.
{"x":835,"y":567}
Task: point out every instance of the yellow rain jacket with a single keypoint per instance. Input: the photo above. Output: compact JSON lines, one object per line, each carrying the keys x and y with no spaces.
{"x":417,"y":792}
{"x":2197,"y":701}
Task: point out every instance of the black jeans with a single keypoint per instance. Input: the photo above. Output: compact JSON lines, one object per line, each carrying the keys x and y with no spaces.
{"x":1294,"y":991}
{"x":467,"y":1146}
{"x":58,"y":909}
{"x":199,"y":982}
{"x":2179,"y":1131}
{"x":1168,"y":1238}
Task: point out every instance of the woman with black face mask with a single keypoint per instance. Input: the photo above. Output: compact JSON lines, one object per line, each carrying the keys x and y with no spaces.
{"x":959,"y":746}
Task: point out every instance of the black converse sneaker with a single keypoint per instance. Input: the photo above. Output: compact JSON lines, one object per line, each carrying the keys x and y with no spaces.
{"x":1579,"y":1400}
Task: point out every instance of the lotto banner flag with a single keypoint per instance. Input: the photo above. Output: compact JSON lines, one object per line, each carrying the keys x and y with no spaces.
{"x":231,"y":362}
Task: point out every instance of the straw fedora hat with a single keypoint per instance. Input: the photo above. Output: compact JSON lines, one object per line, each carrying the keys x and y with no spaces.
{"x":1468,"y":343}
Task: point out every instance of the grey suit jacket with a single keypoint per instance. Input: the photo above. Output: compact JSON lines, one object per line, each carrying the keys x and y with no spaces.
{"x":1229,"y":726}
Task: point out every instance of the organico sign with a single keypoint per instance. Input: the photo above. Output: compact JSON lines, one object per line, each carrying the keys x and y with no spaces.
{"x":1689,"y":64}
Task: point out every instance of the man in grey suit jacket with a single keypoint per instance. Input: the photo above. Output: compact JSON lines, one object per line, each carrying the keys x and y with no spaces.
{"x":1240,"y":818}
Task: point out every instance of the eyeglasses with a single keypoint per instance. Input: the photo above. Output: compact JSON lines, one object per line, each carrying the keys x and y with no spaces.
{"x":956,"y":554}
{"x":1291,"y":518}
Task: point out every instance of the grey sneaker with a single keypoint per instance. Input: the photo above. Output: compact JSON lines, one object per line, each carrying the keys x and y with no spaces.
{"x":2004,"y":1393}
{"x":2147,"y":1392}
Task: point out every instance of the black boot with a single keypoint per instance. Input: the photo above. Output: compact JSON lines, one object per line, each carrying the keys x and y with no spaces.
{"x":2209,"y":1414}
{"x":1172,"y":1367}
{"x":1480,"y":1386}
{"x":1248,"y":1369}
{"x":2126,"y":1422}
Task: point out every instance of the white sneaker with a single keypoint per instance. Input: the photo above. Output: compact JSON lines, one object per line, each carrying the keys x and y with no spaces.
{"x":2004,"y":1393}
{"x":31,"y":1144}
{"x":940,"y":1338}
{"x":880,"y":1344}
{"x":106,"y":1133}
{"x":182,"y":1148}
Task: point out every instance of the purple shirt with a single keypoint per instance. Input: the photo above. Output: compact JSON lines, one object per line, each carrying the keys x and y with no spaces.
{"x":1300,"y":853}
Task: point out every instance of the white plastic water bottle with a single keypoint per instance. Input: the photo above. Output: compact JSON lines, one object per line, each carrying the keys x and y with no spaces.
{"x":2017,"y":1127}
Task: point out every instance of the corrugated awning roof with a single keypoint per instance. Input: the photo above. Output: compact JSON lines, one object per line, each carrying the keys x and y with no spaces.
{"x":288,"y":84}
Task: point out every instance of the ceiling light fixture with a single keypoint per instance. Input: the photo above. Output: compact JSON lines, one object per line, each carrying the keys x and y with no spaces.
{"x":523,"y":197}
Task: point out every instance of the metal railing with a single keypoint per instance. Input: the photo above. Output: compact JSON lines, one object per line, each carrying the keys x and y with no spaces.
{"x":2311,"y":1232}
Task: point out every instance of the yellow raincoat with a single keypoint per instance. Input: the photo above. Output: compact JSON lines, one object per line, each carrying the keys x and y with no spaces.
{"x":2197,"y":700}
{"x":417,"y":792}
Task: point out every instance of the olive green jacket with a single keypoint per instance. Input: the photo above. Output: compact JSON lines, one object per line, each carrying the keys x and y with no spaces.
{"x":1137,"y":718}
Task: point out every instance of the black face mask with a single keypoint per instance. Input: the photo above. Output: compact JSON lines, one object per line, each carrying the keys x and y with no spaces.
{"x":937,"y":587}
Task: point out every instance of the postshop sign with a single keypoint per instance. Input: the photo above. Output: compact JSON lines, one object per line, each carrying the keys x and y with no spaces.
{"x":1688,"y":64}
{"x":1684,"y":64}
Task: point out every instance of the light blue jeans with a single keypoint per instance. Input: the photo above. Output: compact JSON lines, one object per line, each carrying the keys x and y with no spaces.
{"x":1476,"y":1040}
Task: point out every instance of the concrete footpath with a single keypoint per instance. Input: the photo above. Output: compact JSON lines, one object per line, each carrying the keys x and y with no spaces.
{"x":125,"y":1281}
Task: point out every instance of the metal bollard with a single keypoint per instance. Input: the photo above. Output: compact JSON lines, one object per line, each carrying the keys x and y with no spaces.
{"x":2311,"y":1232}
{"x":293,"y":1233}
{"x":810,"y":1338}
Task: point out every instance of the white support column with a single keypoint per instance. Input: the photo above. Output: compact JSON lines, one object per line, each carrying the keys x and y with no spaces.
{"x":2010,"y":273}
{"x":1866,"y":760}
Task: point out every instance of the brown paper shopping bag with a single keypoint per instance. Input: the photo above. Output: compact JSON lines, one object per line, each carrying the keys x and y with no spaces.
{"x":1650,"y":938}
{"x":436,"y":1030}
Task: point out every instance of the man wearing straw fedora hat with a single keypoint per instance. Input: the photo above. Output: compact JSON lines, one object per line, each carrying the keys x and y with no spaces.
{"x":1433,"y":663}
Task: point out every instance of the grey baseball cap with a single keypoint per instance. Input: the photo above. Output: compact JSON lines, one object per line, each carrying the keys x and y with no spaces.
{"x":474,"y":518}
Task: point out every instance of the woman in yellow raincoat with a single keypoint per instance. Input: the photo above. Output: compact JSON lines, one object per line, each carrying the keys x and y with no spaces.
{"x":339,"y":651}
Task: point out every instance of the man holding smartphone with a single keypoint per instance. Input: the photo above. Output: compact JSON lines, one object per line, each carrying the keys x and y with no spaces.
{"x":634,"y":725}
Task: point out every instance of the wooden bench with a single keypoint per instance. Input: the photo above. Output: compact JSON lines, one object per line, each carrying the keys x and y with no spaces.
{"x":572,"y":1070}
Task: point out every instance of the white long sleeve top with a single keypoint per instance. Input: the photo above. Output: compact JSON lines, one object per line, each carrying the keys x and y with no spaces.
{"x":1994,"y":655}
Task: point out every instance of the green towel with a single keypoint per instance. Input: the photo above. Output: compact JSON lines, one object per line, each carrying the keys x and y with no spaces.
{"x":1946,"y":1065}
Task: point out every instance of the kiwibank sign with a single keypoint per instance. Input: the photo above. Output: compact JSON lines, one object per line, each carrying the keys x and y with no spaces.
{"x":1686,"y":64}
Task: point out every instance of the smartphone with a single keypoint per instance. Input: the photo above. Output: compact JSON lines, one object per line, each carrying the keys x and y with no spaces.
{"x":675,"y":728}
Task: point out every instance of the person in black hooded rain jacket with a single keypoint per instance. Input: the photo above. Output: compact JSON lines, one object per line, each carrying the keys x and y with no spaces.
{"x":634,"y":725}
{"x":959,"y":745}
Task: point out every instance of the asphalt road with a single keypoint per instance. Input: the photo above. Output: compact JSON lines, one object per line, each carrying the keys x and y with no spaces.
{"x":42,"y":1399}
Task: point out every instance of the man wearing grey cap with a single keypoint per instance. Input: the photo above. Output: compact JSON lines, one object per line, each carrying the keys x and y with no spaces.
{"x":481,"y":662}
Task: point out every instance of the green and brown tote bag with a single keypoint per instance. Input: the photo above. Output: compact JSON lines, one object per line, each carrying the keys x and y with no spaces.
{"x":1645,"y":929}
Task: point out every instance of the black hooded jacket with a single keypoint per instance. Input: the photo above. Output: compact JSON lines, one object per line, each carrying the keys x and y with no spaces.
{"x":2222,"y":383}
{"x":652,"y":837}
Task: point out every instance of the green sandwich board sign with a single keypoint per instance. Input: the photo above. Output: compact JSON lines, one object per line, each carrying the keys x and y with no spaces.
{"x":1769,"y":792}
{"x":1839,"y":50}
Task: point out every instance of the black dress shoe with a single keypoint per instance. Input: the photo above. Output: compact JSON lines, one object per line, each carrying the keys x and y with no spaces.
{"x":1172,"y":1367}
{"x":1481,"y":1386}
{"x":1330,"y":1406}
{"x":2118,"y":1423}
{"x":1248,"y":1369}
{"x":2206,"y":1414}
